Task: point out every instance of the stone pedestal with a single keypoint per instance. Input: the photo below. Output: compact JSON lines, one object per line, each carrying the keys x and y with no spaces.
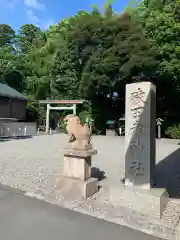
{"x":111,"y":132}
{"x":140,"y":150}
{"x":78,"y":146}
{"x":76,"y":179}
{"x":147,"y":202}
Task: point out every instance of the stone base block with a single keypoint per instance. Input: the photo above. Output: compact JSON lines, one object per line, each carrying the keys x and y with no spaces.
{"x":149,"y":202}
{"x":79,"y":153}
{"x":77,"y":168}
{"x":78,"y":146}
{"x":111,"y":132}
{"x":77,"y":164}
{"x":178,"y":232}
{"x":76,"y":189}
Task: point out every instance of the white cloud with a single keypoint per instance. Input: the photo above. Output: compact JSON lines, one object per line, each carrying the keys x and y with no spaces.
{"x":47,"y":24}
{"x":37,"y":21}
{"x":30,"y":8}
{"x":34,"y":4}
{"x":33,"y":18}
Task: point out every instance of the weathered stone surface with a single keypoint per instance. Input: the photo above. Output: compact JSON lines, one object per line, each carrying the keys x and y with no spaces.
{"x":77,"y":168}
{"x":178,"y":232}
{"x":140,"y":149}
{"x":78,"y":146}
{"x":76,"y":189}
{"x":149,"y":202}
{"x":79,"y":135}
{"x":77,"y":173}
{"x":140,"y":135}
{"x":79,"y":153}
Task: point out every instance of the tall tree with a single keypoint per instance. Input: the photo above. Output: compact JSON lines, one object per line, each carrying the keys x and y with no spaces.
{"x":27,"y":34}
{"x":7,"y":35}
{"x":100,"y":54}
{"x":160,"y":20}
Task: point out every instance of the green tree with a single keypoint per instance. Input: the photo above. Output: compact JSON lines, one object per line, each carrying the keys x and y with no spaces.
{"x":100,"y":54}
{"x":27,"y":34}
{"x":160,"y":20}
{"x":108,"y":10}
{"x":7,"y":35}
{"x":89,"y":55}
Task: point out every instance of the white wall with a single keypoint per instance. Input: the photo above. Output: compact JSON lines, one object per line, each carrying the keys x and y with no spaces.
{"x":9,"y":129}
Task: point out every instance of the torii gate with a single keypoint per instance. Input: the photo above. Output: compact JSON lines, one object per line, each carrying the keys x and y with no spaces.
{"x":49,"y":102}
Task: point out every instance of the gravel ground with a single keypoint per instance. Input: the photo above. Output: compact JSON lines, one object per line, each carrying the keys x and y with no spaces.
{"x":34,"y":164}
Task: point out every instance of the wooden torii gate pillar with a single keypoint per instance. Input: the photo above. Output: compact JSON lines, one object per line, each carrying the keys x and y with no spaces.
{"x":49,"y":108}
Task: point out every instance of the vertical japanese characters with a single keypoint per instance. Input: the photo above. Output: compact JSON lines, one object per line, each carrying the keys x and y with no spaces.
{"x":137,"y":102}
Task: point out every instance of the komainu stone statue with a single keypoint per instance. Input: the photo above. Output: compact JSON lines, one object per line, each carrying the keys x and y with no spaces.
{"x":79,"y":135}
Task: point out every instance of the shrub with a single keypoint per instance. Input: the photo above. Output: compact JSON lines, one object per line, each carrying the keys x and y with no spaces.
{"x":173,"y":131}
{"x":83,"y":116}
{"x":62,"y":126}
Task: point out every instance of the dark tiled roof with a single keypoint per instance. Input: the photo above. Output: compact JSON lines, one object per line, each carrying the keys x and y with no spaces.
{"x":7,"y":91}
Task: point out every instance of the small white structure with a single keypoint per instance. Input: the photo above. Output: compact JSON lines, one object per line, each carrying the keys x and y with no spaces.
{"x":121,"y":130}
{"x":58,"y":108}
{"x":10,"y":128}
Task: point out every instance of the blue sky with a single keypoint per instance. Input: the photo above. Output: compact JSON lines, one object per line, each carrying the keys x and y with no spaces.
{"x":46,"y":12}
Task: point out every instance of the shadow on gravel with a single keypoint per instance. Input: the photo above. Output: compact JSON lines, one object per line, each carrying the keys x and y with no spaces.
{"x":4,"y":140}
{"x":20,"y":137}
{"x":97,"y":173}
{"x":168,"y":174}
{"x":7,"y":139}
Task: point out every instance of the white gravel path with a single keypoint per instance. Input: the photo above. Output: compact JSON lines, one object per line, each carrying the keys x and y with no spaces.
{"x":34,"y":164}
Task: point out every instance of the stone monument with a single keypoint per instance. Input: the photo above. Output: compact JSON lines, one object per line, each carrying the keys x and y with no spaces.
{"x":138,"y":192}
{"x":76,"y":177}
{"x":140,"y":135}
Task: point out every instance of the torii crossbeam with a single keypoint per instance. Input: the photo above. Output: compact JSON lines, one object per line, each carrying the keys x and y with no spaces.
{"x":49,"y":107}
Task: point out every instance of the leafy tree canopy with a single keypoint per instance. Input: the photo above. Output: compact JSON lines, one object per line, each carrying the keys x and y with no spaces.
{"x":92,"y":54}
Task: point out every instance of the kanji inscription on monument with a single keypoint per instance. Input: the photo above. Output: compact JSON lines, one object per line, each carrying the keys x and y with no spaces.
{"x":137,"y":168}
{"x":140,"y":130}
